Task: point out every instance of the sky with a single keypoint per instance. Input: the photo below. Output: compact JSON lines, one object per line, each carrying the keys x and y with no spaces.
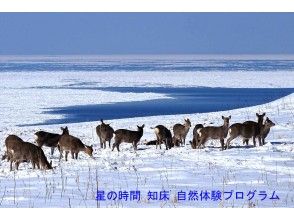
{"x":146,"y":33}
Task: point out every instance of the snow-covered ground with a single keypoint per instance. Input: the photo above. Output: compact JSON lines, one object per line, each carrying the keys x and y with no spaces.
{"x":74,"y":183}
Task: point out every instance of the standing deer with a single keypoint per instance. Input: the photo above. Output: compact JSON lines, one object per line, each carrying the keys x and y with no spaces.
{"x":127,"y":136}
{"x":181,"y":131}
{"x":74,"y":145}
{"x":48,"y":139}
{"x":19,"y":151}
{"x":247,"y":130}
{"x":266,"y":129}
{"x":163,"y":135}
{"x":195,"y":139}
{"x":105,"y":133}
{"x":213,"y":132}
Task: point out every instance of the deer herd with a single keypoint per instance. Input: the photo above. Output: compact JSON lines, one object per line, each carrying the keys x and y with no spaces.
{"x":18,"y":151}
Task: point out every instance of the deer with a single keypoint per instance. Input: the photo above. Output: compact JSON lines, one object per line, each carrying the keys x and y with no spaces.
{"x":247,"y":130}
{"x":163,"y":135}
{"x":214,"y":132}
{"x":181,"y":131}
{"x":48,"y":139}
{"x":266,"y":129}
{"x":127,"y":136}
{"x":19,"y":151}
{"x":13,"y":140}
{"x":105,"y":133}
{"x":74,"y":145}
{"x":195,"y":139}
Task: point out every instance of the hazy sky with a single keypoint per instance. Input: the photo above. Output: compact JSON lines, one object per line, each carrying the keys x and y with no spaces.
{"x":146,"y":33}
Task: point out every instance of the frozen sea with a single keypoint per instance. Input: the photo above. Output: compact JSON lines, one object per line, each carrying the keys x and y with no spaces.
{"x":136,"y":86}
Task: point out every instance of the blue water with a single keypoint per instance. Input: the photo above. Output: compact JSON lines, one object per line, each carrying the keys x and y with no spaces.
{"x":161,"y":63}
{"x":185,"y":100}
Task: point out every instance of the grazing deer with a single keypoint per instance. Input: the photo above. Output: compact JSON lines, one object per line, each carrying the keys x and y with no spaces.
{"x":127,"y":136}
{"x":48,"y":139}
{"x":74,"y":145}
{"x":181,"y":131}
{"x":19,"y":151}
{"x":11,"y":140}
{"x":163,"y":135}
{"x":247,"y":130}
{"x":213,"y":132}
{"x":105,"y":133}
{"x":196,"y":131}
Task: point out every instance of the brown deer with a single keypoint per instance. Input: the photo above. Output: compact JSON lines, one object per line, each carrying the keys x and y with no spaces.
{"x":105,"y":133}
{"x":74,"y":145}
{"x":127,"y":136}
{"x":213,"y":132}
{"x":181,"y":131}
{"x":11,"y":140}
{"x":195,"y":139}
{"x":19,"y":151}
{"x":48,"y":139}
{"x":163,"y":135}
{"x":266,"y":129}
{"x":247,"y":130}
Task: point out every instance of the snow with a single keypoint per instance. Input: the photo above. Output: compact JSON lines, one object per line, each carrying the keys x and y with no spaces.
{"x":74,"y":183}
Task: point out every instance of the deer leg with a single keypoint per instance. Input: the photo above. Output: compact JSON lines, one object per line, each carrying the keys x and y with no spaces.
{"x":77,"y":156}
{"x":254,"y":141}
{"x":202,"y":141}
{"x":135,"y":145}
{"x":10,"y":165}
{"x":263,"y":141}
{"x":222,"y":141}
{"x":16,"y":165}
{"x":246,"y":141}
{"x":72,"y":155}
{"x":166,"y":144}
{"x":109,"y":143}
{"x":101,"y":143}
{"x":60,"y":155}
{"x":52,"y":151}
{"x":66,"y":154}
{"x":228,"y":142}
{"x":259,"y":141}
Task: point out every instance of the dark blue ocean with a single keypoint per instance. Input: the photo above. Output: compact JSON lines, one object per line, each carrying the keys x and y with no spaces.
{"x":144,"y":63}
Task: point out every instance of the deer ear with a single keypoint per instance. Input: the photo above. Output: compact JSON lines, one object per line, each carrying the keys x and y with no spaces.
{"x":50,"y":163}
{"x":230,"y":117}
{"x":143,"y":125}
{"x":223,"y":117}
{"x":257,"y":114}
{"x":263,"y":114}
{"x":62,"y":128}
{"x":101,"y":121}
